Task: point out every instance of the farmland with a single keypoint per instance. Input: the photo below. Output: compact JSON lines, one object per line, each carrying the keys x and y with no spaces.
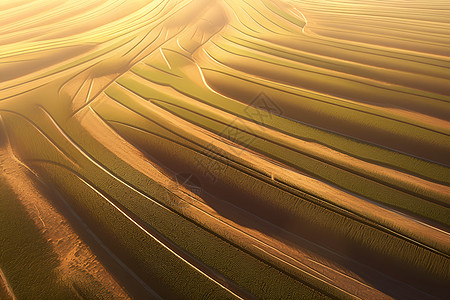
{"x":250,"y":149}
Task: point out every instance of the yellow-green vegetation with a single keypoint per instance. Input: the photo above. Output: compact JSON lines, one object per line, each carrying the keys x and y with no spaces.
{"x":273,"y":149}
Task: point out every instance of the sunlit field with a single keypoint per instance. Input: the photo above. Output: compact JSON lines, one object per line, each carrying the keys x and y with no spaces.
{"x":223,"y":149}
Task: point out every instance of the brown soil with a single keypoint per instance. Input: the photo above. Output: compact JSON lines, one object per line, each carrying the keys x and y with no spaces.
{"x":6,"y":293}
{"x":75,"y":257}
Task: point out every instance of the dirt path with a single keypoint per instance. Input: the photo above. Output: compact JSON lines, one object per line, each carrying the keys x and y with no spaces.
{"x":75,"y":257}
{"x":6,"y":291}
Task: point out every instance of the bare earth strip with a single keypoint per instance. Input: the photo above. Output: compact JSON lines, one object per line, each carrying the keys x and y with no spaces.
{"x":6,"y":291}
{"x":76,"y":258}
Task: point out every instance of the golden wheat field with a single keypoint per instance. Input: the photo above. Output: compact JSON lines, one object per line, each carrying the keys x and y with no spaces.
{"x":223,"y":149}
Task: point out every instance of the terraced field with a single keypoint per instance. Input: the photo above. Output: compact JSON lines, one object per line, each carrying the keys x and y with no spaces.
{"x":275,"y":149}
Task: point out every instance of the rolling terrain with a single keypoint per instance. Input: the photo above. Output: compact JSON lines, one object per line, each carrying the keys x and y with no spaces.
{"x":226,"y":149}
